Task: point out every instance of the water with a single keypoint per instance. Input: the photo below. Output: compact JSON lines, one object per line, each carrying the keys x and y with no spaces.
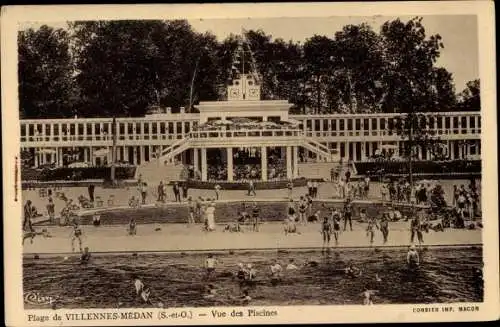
{"x":178,"y":280}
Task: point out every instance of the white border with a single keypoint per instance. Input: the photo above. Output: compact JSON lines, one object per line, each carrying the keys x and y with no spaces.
{"x":11,"y":16}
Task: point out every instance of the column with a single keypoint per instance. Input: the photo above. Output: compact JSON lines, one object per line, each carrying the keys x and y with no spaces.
{"x":150,"y":148}
{"x":363,"y":151}
{"x":354,"y":151}
{"x":60,"y":157}
{"x":134,"y":157}
{"x":85,"y":155}
{"x":36,"y":157}
{"x":109,"y":156}
{"x":295,"y":162}
{"x":230,"y":164}
{"x":263,"y":162}
{"x":370,"y":149}
{"x":204,"y":169}
{"x":460,"y":151}
{"x":196,"y":163}
{"x":289,"y":162}
{"x":126,"y":152}
{"x":141,"y":154}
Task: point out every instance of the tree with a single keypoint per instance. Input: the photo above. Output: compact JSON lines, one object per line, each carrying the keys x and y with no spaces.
{"x":358,"y":68}
{"x":410,"y":57}
{"x":45,"y":74}
{"x":470,"y":98}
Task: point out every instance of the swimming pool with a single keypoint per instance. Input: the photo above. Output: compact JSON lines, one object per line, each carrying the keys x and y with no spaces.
{"x":178,"y":279}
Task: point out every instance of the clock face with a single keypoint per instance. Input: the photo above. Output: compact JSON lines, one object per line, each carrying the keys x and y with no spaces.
{"x":234,"y":93}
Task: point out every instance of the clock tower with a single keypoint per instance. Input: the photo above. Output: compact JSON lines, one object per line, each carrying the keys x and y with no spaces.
{"x":246,"y":87}
{"x":245,"y":84}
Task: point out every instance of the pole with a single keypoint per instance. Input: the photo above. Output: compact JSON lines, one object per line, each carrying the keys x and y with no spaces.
{"x":192,"y":84}
{"x":113,"y":151}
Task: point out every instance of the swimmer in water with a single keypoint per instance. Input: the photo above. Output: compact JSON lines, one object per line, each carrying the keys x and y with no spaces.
{"x":352,"y":271}
{"x":210,"y":291}
{"x":241,"y":274}
{"x":412,"y":258}
{"x":275,"y":272}
{"x":76,"y":235}
{"x":210,"y":264}
{"x":85,"y":257}
{"x":367,"y":297}
{"x":291,"y":265}
{"x":326,"y":231}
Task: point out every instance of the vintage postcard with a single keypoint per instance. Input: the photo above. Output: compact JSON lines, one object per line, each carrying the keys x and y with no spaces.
{"x":249,"y":163}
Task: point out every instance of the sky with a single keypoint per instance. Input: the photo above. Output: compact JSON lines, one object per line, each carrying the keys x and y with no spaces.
{"x":459,"y":33}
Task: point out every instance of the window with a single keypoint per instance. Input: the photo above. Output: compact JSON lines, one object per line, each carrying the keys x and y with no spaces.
{"x":162,"y":128}
{"x":250,"y":83}
{"x":155,"y":128}
{"x":366,"y":124}
{"x":170,"y":128}
{"x":455,"y":122}
{"x":325,"y":125}
{"x":439,"y":122}
{"x":464,"y":122}
{"x":56,"y":129}
{"x":89,"y":128}
{"x":146,"y":128}
{"x":23,"y":130}
{"x":316,"y":124}
{"x":431,"y":122}
{"x":374,"y":123}
{"x":342,"y":124}
{"x":334,"y":124}
{"x":47,"y":129}
{"x":80,"y":129}
{"x":447,"y":122}
{"x":479,"y":122}
{"x":358,"y":124}
{"x":130,"y":128}
{"x":309,"y":124}
{"x":472,"y":122}
{"x":382,"y":124}
{"x":179,"y":128}
{"x":349,"y":124}
{"x":187,"y":127}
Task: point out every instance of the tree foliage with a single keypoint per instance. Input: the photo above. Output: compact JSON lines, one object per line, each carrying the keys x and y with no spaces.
{"x":45,"y":73}
{"x":121,"y":68}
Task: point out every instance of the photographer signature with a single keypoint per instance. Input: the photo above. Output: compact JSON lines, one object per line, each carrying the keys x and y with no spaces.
{"x":37,"y":299}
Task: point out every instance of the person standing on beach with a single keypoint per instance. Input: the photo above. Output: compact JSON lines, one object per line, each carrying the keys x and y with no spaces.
{"x":326,"y":232}
{"x":384,"y":227}
{"x":217,"y":189}
{"x":347,"y":214}
{"x":251,"y":188}
{"x":76,"y":235}
{"x":28,"y":214}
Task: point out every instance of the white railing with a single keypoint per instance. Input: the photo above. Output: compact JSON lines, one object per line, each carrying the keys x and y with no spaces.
{"x":245,"y":133}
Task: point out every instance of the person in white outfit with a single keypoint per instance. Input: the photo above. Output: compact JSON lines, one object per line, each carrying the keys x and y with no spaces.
{"x":211,"y":217}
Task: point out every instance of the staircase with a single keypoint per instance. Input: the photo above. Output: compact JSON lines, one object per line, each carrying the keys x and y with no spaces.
{"x":163,"y":166}
{"x":323,"y":153}
{"x":167,"y":154}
